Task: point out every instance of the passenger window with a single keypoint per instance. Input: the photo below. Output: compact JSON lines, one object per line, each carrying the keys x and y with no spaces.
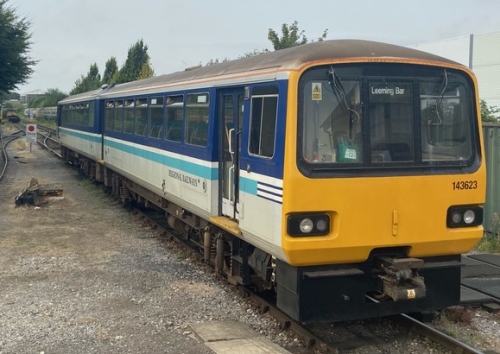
{"x":263,"y":121}
{"x":118,"y":124}
{"x":197,"y":119}
{"x":141,"y":116}
{"x":128,"y":123}
{"x":109,"y":117}
{"x":155,"y":119}
{"x":175,"y":113}
{"x":91,"y":108}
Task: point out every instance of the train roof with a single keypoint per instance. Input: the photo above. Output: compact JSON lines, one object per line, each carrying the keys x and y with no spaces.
{"x":264,"y":65}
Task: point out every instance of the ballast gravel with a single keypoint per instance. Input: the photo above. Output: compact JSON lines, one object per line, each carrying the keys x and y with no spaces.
{"x":84,"y":275}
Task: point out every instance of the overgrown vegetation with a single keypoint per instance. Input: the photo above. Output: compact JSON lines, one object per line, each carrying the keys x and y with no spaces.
{"x":489,"y":114}
{"x":459,"y":322}
{"x":452,"y":319}
{"x":491,"y":240}
{"x":490,"y":243}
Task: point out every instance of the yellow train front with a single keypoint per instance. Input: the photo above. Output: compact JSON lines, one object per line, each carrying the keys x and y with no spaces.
{"x":383,"y":185}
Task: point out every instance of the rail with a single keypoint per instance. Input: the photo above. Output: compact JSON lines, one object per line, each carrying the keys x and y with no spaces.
{"x":6,"y":140}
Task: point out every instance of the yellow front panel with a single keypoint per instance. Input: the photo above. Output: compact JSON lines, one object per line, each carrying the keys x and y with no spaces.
{"x":370,"y":213}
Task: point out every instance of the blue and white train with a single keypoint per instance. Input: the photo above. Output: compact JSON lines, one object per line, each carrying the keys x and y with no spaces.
{"x":334,"y":172}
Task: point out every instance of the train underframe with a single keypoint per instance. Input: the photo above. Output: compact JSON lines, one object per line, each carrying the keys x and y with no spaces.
{"x":387,"y":283}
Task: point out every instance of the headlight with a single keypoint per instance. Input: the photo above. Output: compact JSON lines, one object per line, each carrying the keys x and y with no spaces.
{"x":456,"y":217}
{"x":308,"y":225}
{"x":464,"y":216}
{"x":322,"y":225}
{"x":469,"y":217}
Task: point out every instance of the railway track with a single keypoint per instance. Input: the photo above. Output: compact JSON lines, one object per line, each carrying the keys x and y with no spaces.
{"x":5,"y":140}
{"x":480,"y":278}
{"x":46,"y":137}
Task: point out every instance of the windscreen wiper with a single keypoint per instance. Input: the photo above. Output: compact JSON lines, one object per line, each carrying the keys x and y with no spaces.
{"x":439,"y":99}
{"x":339,"y":92}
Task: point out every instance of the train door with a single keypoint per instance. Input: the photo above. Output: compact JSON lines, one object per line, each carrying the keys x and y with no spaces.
{"x":231,"y":114}
{"x":99,"y":127}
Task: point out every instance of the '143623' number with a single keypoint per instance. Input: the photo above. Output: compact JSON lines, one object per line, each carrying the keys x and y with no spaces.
{"x":461,"y":185}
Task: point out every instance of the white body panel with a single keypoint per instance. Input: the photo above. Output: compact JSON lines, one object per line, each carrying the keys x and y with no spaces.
{"x":87,"y":144}
{"x":189,"y":182}
{"x":260,"y":211}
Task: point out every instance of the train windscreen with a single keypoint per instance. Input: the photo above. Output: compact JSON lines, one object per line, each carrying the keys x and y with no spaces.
{"x":386,"y":116}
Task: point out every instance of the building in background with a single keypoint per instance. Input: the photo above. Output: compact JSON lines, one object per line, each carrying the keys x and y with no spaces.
{"x":30,"y":96}
{"x":481,"y":53}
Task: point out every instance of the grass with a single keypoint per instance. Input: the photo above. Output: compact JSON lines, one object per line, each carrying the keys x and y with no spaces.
{"x":456,"y":314}
{"x":452,"y":320}
{"x":49,"y":123}
{"x":458,"y":322}
{"x":490,"y":243}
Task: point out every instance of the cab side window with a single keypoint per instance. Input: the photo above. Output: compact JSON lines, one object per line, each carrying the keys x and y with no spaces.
{"x":263,"y":121}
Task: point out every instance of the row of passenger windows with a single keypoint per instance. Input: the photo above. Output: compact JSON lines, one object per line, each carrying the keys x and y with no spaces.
{"x":144,"y":117}
{"x":79,"y":113}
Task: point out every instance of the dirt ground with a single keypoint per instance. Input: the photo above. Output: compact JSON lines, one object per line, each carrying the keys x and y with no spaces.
{"x":80,"y":275}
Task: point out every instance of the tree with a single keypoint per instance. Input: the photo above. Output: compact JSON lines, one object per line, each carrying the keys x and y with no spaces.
{"x":137,"y":57}
{"x":9,"y":96}
{"x":88,"y":83}
{"x":110,"y":69}
{"x":15,"y":63}
{"x":37,"y":102}
{"x":49,"y":99}
{"x":52,"y":96}
{"x":489,"y":114}
{"x":291,"y":36}
{"x":146,"y":71}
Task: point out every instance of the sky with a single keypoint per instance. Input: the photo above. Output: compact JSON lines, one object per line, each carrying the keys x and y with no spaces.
{"x":70,"y":35}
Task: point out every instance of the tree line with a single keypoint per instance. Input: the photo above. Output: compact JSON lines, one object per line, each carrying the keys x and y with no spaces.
{"x":137,"y":66}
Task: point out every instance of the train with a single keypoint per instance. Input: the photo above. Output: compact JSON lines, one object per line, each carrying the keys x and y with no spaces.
{"x":343,"y":177}
{"x":43,"y":113}
{"x":10,"y":114}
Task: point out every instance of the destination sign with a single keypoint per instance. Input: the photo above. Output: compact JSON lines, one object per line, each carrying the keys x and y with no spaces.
{"x":390,"y":92}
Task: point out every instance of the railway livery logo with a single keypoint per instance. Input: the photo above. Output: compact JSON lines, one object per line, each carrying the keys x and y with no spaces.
{"x":190,"y":180}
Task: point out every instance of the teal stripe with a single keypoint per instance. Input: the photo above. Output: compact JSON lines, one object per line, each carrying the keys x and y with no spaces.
{"x":88,"y":136}
{"x":178,"y":164}
{"x":248,"y":185}
{"x":172,"y":162}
